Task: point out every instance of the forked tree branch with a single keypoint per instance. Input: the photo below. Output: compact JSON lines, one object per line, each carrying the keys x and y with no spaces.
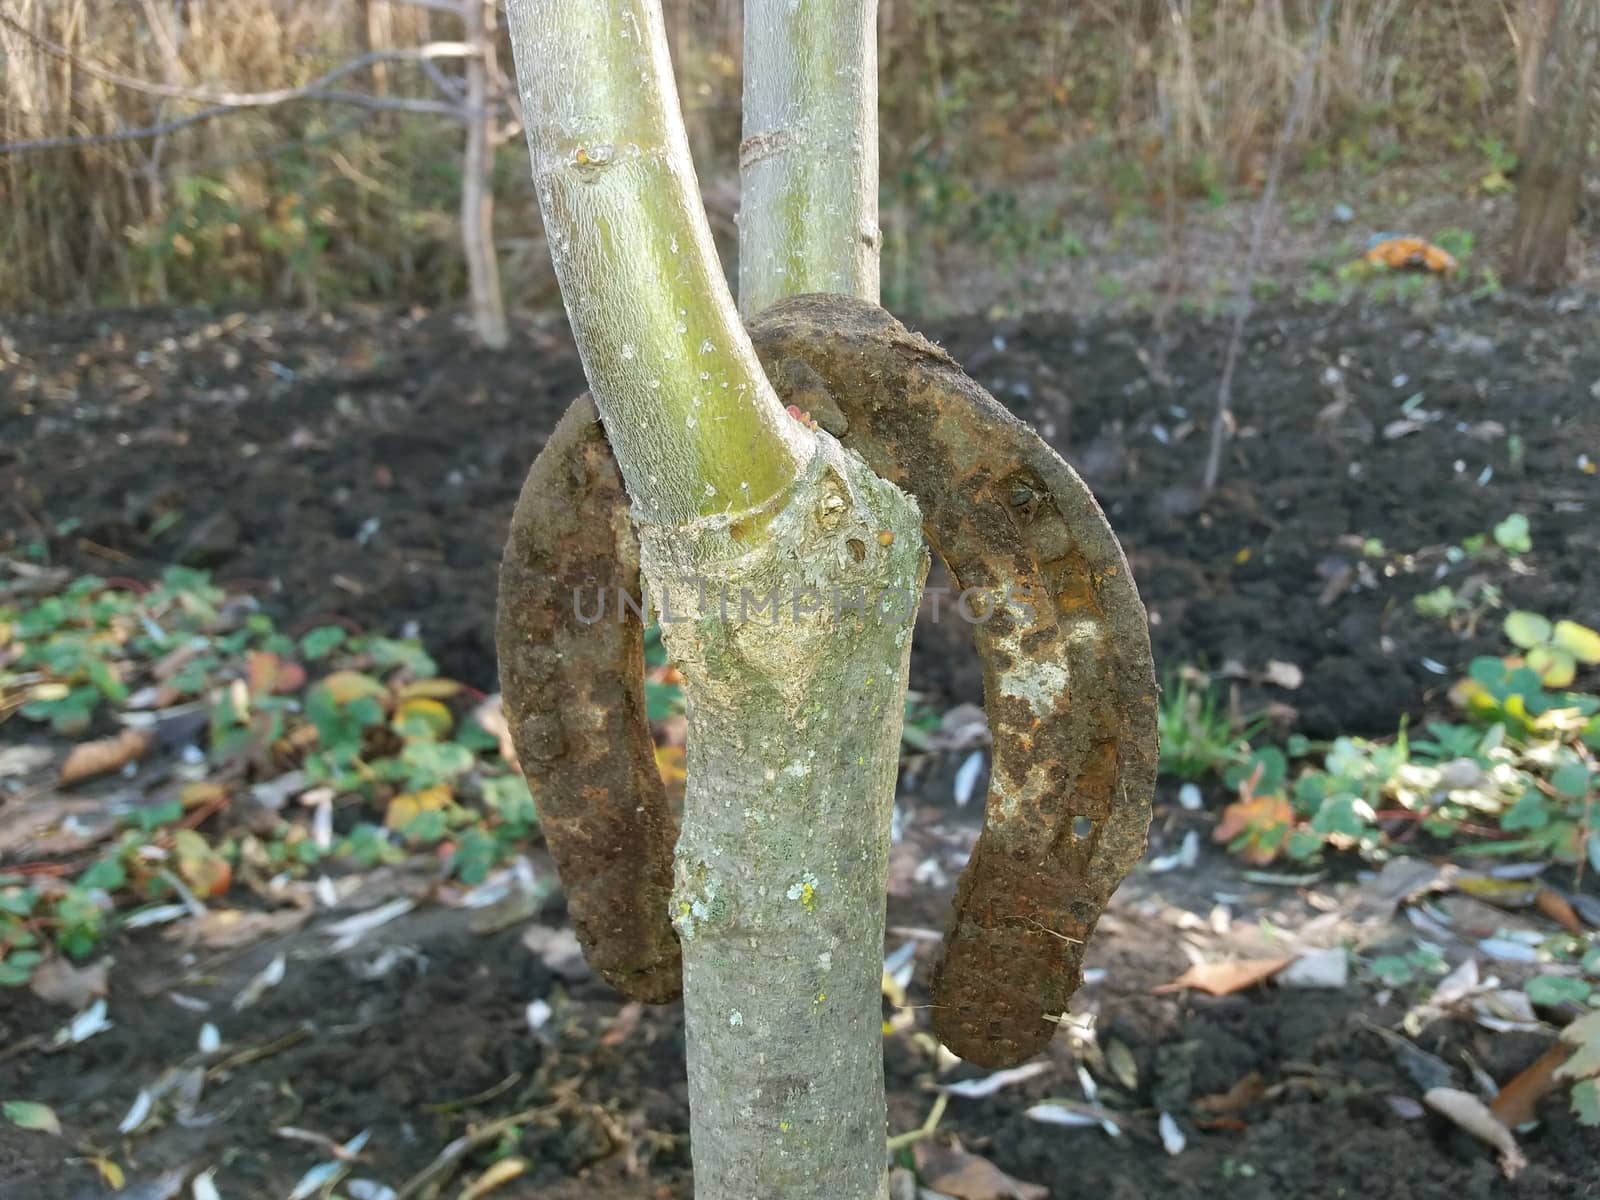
{"x":696,"y":428}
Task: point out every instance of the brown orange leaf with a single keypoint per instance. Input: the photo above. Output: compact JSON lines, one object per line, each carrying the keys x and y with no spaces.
{"x":498,"y":1175}
{"x":267,"y":674}
{"x":1226,"y":978}
{"x":1555,"y":906}
{"x":210,"y":876}
{"x":1517,"y":1101}
{"x":1248,"y":1091}
{"x":1260,"y":820}
{"x":89,"y":759}
{"x":1222,"y":1125}
{"x":57,"y":981}
{"x":952,"y":1171}
{"x":624,"y":1025}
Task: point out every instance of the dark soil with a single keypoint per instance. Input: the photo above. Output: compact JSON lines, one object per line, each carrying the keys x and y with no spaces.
{"x":447,"y":1025}
{"x":365,"y":465}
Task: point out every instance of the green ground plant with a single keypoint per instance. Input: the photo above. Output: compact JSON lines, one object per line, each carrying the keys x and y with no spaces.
{"x":1199,"y":736}
{"x":384,"y":756}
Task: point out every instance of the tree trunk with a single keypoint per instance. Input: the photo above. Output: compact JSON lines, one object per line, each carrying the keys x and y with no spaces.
{"x":1533,"y":34}
{"x":1550,"y":176}
{"x":757,"y":536}
{"x":795,"y":707}
{"x":377,"y":27}
{"x":477,"y":190}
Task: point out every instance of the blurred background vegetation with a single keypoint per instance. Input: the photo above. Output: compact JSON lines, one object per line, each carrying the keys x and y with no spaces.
{"x":1015,"y":135}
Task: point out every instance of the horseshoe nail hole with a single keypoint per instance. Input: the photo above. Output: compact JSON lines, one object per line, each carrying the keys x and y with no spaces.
{"x":1082,"y":827}
{"x":858,"y":549}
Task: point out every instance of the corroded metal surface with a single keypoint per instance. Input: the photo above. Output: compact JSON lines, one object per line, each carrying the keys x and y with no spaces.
{"x":572,"y":678}
{"x":1068,"y":678}
{"x":1069,"y":687}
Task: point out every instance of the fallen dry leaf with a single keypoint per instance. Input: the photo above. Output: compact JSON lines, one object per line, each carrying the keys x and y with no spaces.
{"x":1471,"y":1114}
{"x":230,"y":928}
{"x":436,"y":689}
{"x":1555,"y":906}
{"x":1222,"y":1125}
{"x":492,"y":717}
{"x":89,"y":759}
{"x":955,"y":1172}
{"x":670,"y":762}
{"x":266,"y":674}
{"x":1517,"y":1101}
{"x":59,"y":982}
{"x":408,"y":806}
{"x":1260,"y":820}
{"x":503,"y":1172}
{"x":1250,"y":1090}
{"x":50,"y":825}
{"x":988,"y":1085}
{"x":1226,"y":978}
{"x":623,"y":1025}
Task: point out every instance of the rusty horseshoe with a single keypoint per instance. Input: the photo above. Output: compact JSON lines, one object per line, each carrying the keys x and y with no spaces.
{"x":1069,"y":683}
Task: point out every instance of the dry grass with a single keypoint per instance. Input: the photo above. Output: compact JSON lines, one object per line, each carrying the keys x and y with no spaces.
{"x":1034,"y":80}
{"x":274,"y":203}
{"x":316,"y":203}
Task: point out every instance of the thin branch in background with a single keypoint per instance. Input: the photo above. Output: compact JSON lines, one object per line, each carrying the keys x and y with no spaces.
{"x":1269,"y":192}
{"x":121,"y":135}
{"x":316,"y":89}
{"x":360,"y":100}
{"x":1173,"y":227}
{"x":452,"y":7}
{"x":227,"y":103}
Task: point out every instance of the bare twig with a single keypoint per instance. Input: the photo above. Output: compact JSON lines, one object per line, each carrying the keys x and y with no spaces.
{"x":360,"y":100}
{"x":477,"y":192}
{"x":121,"y":135}
{"x":316,"y":89}
{"x":431,"y":1178}
{"x":450,"y":87}
{"x":444,"y":6}
{"x":1269,"y":192}
{"x":924,"y":1131}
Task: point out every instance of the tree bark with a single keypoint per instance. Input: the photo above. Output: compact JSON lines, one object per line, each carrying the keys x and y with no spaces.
{"x":795,"y":704}
{"x":1533,"y":33}
{"x":477,"y":188}
{"x":1550,"y":175}
{"x":377,"y":27}
{"x":808,"y":164}
{"x":794,"y":711}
